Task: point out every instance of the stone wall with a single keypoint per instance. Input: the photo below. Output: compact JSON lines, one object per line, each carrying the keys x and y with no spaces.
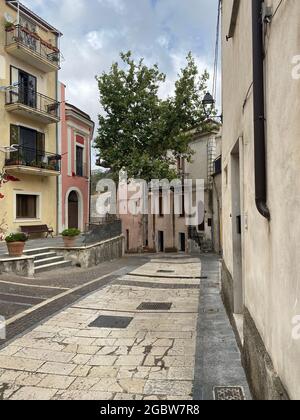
{"x":23,"y":266}
{"x":103,"y":232}
{"x":227,"y":290}
{"x":264,"y":381}
{"x":92,"y":255}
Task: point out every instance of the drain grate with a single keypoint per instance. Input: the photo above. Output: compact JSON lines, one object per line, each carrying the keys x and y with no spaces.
{"x":211,"y":311}
{"x":111,"y":322}
{"x":155,"y":306}
{"x":229,"y":393}
{"x":166,"y":271}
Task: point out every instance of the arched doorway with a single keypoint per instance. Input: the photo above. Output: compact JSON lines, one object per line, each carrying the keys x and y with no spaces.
{"x":73,"y":210}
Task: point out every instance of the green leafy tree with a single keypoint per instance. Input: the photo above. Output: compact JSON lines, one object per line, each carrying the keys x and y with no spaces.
{"x":141,"y":133}
{"x":96,"y":177}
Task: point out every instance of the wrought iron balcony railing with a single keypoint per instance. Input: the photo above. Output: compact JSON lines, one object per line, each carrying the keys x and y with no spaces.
{"x":32,"y":99}
{"x":18,"y":34}
{"x":33,"y":158}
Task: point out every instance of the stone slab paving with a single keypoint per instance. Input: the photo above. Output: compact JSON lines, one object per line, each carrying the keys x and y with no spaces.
{"x":166,"y":268}
{"x":153,"y":358}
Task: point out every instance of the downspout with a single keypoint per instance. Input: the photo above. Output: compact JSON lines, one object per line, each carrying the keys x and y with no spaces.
{"x":57,"y":150}
{"x":259,"y":110}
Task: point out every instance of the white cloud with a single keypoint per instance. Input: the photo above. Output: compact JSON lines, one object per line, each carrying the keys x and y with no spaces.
{"x":117,"y":5}
{"x":96,"y":31}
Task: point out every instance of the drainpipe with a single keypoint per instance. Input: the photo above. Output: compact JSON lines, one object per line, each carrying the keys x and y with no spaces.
{"x":259,"y":110}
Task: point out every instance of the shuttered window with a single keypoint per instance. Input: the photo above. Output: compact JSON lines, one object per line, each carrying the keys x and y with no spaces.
{"x":26,"y":206}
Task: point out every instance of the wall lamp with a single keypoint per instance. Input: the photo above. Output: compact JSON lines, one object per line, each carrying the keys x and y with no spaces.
{"x":9,"y":149}
{"x":209,"y":105}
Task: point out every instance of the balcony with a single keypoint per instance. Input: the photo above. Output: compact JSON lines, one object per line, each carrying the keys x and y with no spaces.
{"x":33,"y":162}
{"x":28,"y":103}
{"x":29,"y":47}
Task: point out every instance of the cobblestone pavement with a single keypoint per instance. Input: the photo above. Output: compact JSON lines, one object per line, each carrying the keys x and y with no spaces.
{"x":69,"y":357}
{"x":25,"y":302}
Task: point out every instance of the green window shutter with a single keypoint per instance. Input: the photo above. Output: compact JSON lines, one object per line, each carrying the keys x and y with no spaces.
{"x":40,"y":142}
{"x":40,"y":146}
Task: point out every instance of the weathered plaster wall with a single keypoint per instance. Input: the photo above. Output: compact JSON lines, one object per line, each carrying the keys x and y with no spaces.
{"x":46,"y":84}
{"x":270,"y":251}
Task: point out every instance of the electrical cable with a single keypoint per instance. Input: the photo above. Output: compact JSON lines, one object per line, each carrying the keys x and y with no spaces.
{"x":216,"y":58}
{"x":277,"y":8}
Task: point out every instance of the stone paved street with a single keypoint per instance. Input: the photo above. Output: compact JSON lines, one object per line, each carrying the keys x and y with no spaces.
{"x":72,"y":356}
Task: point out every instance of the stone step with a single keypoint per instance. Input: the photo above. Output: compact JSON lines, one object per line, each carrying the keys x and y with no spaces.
{"x":49,"y":260}
{"x":53,"y":266}
{"x":44,"y":255}
{"x":36,"y":251}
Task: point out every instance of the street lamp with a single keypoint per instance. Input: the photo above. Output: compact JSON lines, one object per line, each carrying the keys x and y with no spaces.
{"x":208,"y":105}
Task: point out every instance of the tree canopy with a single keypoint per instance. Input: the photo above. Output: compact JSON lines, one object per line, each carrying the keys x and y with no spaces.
{"x":141,"y":133}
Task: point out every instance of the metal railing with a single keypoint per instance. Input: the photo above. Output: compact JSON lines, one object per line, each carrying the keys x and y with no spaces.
{"x":18,"y":34}
{"x":29,"y":97}
{"x":33,"y":158}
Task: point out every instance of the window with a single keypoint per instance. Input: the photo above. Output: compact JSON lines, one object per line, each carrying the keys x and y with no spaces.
{"x":26,"y":206}
{"x":32,"y":145}
{"x":209,"y":222}
{"x":183,"y":201}
{"x":218,"y":166}
{"x":25,"y":91}
{"x":201,"y":228}
{"x":161,"y":205}
{"x":79,"y":161}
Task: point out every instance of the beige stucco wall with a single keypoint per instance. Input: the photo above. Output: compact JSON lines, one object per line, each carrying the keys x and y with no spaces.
{"x":196,"y":169}
{"x":46,"y":85}
{"x":270,"y":251}
{"x":171,"y":225}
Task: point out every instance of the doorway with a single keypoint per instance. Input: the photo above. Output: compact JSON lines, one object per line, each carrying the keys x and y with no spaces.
{"x":127,"y":240}
{"x":161,"y":241}
{"x":182,"y":247}
{"x":73,"y":210}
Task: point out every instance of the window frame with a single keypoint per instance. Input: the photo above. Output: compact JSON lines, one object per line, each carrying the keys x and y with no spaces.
{"x":38,"y":207}
{"x":80,"y":146}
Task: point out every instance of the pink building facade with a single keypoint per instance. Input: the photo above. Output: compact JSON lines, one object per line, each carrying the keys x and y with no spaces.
{"x":76,"y":132}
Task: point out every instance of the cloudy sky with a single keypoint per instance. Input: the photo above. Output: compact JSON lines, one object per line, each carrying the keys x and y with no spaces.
{"x":95,"y":31}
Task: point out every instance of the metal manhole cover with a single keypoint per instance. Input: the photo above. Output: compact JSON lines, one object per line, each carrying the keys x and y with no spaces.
{"x":166,"y":271}
{"x":111,"y":322}
{"x":211,"y":311}
{"x":155,"y":306}
{"x":229,"y":393}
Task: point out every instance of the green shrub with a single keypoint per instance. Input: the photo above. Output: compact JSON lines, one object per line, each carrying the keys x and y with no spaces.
{"x":9,"y":25}
{"x":71,"y":233}
{"x":16,"y":237}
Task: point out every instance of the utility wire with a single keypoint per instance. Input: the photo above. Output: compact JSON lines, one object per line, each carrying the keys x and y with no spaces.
{"x":277,"y":8}
{"x":216,"y":62}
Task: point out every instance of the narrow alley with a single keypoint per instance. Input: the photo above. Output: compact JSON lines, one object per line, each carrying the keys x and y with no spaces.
{"x":145,"y":335}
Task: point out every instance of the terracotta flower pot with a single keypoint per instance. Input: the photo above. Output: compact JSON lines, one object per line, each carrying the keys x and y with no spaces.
{"x":69,"y":241}
{"x":15,"y":249}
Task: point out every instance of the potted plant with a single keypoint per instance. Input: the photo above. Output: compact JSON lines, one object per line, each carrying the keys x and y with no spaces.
{"x":9,"y":26}
{"x":15,"y":244}
{"x":70,"y":236}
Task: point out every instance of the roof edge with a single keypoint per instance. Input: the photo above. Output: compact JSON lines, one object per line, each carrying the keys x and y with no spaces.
{"x":32,"y":15}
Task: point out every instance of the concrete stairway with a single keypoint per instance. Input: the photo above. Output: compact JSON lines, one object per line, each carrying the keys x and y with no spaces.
{"x":46,"y":260}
